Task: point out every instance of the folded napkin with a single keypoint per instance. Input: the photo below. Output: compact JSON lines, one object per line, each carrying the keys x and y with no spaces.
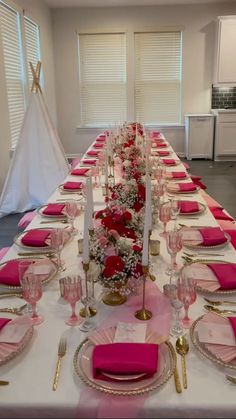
{"x":90,"y":162}
{"x":163,"y":153}
{"x":169,"y":162}
{"x":219,"y":214}
{"x":178,"y":175}
{"x":36,"y":238}
{"x":79,"y":172}
{"x":194,"y":178}
{"x":125,"y":359}
{"x":232,"y":234}
{"x":72,"y":185}
{"x":92,"y":153}
{"x":98,"y":145}
{"x":187,"y":187}
{"x":159,"y":144}
{"x":54,"y":209}
{"x":101,"y":139}
{"x":3,"y":322}
{"x":212,"y":236}
{"x":232,"y":321}
{"x":225,"y":274}
{"x":186,"y":207}
{"x":9,"y":273}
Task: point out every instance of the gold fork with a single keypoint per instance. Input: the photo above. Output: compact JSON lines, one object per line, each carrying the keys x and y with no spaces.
{"x":61,"y":352}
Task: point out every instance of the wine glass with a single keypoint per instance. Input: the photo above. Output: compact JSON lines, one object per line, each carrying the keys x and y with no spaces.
{"x":32,"y":292}
{"x":57,"y":241}
{"x":175,"y":209}
{"x":24,"y":267}
{"x":174,"y":245}
{"x":164,"y":215}
{"x":72,"y":209}
{"x":186,"y":291}
{"x":72,"y":294}
{"x":170,"y":290}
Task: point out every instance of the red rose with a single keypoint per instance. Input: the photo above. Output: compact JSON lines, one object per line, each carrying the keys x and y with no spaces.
{"x":138,"y":271}
{"x":108,"y":222}
{"x":114,"y":195}
{"x":113,"y":265}
{"x":137,"y":206}
{"x":141,"y":192}
{"x":100,"y":214}
{"x":127,"y":216}
{"x":137,"y":176}
{"x":137,"y":248}
{"x":128,"y":232}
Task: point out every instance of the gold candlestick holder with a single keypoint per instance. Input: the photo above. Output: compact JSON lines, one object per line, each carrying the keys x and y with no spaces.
{"x":143,"y":313}
{"x":91,"y":310}
{"x":110,"y":167}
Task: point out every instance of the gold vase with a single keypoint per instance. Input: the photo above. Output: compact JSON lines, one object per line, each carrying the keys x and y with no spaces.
{"x":114,"y":297}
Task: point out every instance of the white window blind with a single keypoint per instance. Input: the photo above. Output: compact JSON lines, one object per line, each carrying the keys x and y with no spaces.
{"x":12,"y":53}
{"x":32,"y":41}
{"x":102,"y":64}
{"x":158,"y":77}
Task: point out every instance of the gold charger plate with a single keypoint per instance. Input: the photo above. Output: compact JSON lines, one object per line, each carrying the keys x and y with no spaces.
{"x":203,"y":350}
{"x":203,"y":290}
{"x":200,"y":246}
{"x":177,"y":162}
{"x":70,"y":191}
{"x":178,"y":192}
{"x":9,"y":351}
{"x":83,"y":367}
{"x":59,"y":217}
{"x":53,"y":272}
{"x":18,"y":242}
{"x":201,"y":210}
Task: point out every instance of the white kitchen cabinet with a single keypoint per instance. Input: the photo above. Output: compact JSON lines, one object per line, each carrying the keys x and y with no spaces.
{"x":199,"y":130}
{"x":225,"y":135}
{"x":225,"y":57}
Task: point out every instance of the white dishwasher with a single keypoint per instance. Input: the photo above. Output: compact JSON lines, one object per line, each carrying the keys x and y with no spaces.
{"x":199,"y":134}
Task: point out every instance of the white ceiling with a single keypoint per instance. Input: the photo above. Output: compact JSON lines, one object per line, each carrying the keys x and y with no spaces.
{"x":114,"y":3}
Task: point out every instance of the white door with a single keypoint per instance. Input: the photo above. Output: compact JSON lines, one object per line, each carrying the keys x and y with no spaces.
{"x":201,"y":137}
{"x":227,"y":138}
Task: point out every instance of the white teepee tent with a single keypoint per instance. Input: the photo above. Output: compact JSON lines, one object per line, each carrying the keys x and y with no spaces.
{"x":39,"y":163}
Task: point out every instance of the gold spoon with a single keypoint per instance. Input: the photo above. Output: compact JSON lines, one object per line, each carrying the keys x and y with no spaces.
{"x":182,"y":348}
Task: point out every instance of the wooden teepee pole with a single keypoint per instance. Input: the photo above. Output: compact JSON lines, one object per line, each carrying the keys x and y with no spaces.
{"x":36,"y":77}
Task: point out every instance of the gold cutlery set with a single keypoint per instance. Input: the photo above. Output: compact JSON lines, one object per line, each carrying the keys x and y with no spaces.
{"x":61,"y":353}
{"x":182,"y":348}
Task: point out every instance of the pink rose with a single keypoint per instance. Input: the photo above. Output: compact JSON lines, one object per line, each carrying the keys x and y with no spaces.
{"x":103,"y":240}
{"x":111,"y":251}
{"x":115,"y":234}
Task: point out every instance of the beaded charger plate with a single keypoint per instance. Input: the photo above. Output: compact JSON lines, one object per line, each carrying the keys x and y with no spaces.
{"x":69,"y":191}
{"x":202,"y":208}
{"x":8,"y":351}
{"x":202,"y":289}
{"x":43,"y":249}
{"x":59,"y":216}
{"x":83,"y":367}
{"x":201,"y":347}
{"x":179,"y":192}
{"x":188,"y":244}
{"x":43,"y":261}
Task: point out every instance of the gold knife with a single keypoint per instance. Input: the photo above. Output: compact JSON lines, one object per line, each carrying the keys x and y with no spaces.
{"x":218,"y":311}
{"x":4,"y":383}
{"x":219,"y":303}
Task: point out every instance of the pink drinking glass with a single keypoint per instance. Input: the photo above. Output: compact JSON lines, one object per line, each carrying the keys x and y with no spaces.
{"x":186,"y":291}
{"x":174,"y":245}
{"x":72,"y":294}
{"x":72,"y":210}
{"x":57,"y":241}
{"x":32,"y":292}
{"x":165,"y":216}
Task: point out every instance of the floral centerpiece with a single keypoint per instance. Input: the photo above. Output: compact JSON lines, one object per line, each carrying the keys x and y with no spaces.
{"x":115,"y":257}
{"x":129,"y":194}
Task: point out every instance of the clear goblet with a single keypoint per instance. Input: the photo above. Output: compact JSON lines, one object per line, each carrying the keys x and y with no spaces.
{"x":175,"y":210}
{"x":72,"y":294}
{"x":32,"y":292}
{"x":174,"y":245}
{"x":57,"y":241}
{"x":72,"y":210}
{"x":170,"y":290}
{"x":186,"y":291}
{"x":164,"y":215}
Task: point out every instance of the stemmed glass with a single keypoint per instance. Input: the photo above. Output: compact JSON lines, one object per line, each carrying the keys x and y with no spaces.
{"x":164,"y":215}
{"x":24,"y":267}
{"x":170,"y":290}
{"x":72,"y":210}
{"x":72,"y":294}
{"x":87,"y":300}
{"x":32,"y":292}
{"x":57,"y":241}
{"x":174,"y":245}
{"x":175,"y":209}
{"x":186,"y":291}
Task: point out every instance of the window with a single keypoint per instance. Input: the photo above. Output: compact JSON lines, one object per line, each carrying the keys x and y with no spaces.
{"x":32,"y":46}
{"x":102,"y":67}
{"x":158,"y":77}
{"x":17,"y":76}
{"x":13,"y":65}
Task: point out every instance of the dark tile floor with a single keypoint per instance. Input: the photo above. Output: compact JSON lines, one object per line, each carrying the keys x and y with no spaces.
{"x":220,"y":178}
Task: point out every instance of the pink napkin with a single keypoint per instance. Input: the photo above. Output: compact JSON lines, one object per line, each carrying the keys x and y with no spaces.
{"x":212,"y":236}
{"x":187,"y":187}
{"x":220,"y":214}
{"x":125,"y":358}
{"x":101,"y":139}
{"x":54,"y":209}
{"x":232,"y":321}
{"x":161,"y":144}
{"x":98,"y":145}
{"x":232,"y":234}
{"x":225,"y":273}
{"x":170,"y":162}
{"x":178,"y":175}
{"x":36,"y":238}
{"x":188,"y":206}
{"x":9,"y":274}
{"x":3,"y":322}
{"x":79,"y":172}
{"x":90,"y":162}
{"x":92,"y":153}
{"x":72,"y":185}
{"x":163,"y":153}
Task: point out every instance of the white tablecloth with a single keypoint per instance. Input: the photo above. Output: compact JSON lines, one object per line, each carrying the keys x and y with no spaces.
{"x":30,"y":394}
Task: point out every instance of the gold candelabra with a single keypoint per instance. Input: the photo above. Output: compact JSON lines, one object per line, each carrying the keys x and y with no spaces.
{"x":143,"y":313}
{"x":91,"y":310}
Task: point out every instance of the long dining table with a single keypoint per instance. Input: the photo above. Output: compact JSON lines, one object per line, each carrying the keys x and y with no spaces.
{"x":30,"y":374}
